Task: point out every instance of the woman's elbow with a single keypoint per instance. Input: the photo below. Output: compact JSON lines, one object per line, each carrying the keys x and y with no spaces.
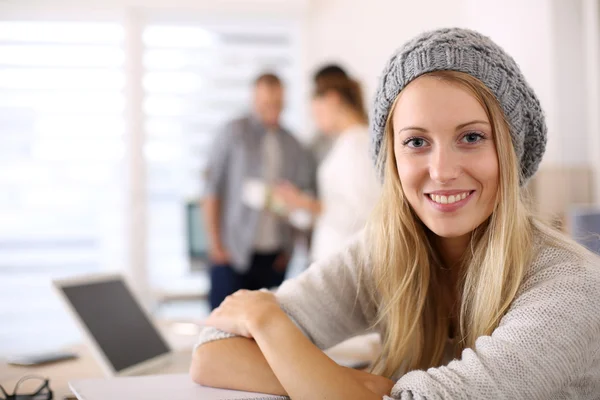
{"x":202,"y":366}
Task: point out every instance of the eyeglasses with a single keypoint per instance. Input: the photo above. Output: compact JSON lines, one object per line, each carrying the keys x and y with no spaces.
{"x":43,"y":392}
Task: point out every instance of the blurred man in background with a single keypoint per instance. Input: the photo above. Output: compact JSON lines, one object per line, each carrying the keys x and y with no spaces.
{"x":250,"y":245}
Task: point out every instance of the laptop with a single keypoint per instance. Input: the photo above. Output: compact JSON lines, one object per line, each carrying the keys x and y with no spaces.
{"x":120,"y":333}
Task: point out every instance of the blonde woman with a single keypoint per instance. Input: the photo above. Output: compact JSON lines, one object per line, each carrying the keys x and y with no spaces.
{"x":473,"y":298}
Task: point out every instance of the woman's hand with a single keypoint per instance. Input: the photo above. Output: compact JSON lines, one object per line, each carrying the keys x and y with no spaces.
{"x":379,"y":385}
{"x":244,"y":311}
{"x":289,"y":195}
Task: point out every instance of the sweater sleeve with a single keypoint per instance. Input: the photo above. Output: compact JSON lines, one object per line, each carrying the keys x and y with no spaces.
{"x":326,"y":301}
{"x":545,"y":347}
{"x":329,"y":302}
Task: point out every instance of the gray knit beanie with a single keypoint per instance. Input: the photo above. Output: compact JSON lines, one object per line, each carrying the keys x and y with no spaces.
{"x":477,"y":55}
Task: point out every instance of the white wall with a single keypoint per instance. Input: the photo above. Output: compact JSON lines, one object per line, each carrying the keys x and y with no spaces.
{"x":545,"y":37}
{"x":523,"y":29}
{"x":66,"y":9}
{"x":591,"y":24}
{"x":362,"y":34}
{"x":570,"y":82}
{"x":556,"y":43}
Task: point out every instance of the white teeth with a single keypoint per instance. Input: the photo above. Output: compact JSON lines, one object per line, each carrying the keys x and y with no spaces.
{"x":448,"y":199}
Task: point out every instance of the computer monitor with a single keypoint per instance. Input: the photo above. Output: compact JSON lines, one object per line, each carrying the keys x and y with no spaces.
{"x":197,"y":241}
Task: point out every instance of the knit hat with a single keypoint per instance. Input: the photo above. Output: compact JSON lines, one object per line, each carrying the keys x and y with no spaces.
{"x":477,"y":55}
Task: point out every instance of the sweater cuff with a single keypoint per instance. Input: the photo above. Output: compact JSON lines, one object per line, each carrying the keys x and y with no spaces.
{"x":210,"y":334}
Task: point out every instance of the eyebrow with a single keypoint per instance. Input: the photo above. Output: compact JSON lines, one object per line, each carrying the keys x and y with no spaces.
{"x":461,"y":126}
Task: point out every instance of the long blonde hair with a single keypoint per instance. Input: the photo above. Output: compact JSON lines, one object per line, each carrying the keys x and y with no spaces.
{"x":408,"y":290}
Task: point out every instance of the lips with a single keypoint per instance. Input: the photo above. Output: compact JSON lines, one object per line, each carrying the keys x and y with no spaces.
{"x":449,"y":201}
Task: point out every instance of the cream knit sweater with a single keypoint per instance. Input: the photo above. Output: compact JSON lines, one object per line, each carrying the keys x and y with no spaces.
{"x":547,"y":346}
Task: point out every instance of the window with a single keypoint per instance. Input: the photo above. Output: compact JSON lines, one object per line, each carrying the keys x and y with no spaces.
{"x":61,"y":156}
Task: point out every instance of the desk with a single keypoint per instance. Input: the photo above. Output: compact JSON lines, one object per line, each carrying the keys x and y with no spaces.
{"x":359,"y":348}
{"x":59,"y":373}
{"x":85,"y":366}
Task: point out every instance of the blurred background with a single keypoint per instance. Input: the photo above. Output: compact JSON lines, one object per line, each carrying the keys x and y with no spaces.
{"x":108,"y":109}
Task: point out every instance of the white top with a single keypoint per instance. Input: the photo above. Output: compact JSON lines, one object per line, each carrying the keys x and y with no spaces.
{"x":348,"y":189}
{"x":267,"y":234}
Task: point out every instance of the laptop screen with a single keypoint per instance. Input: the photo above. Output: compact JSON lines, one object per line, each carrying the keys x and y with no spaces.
{"x":114,"y":318}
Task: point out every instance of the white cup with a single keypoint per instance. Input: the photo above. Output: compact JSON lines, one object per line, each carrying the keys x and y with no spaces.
{"x":254,"y":194}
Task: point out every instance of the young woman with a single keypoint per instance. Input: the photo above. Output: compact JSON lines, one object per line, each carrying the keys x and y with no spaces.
{"x":474,"y":299}
{"x":347,"y":184}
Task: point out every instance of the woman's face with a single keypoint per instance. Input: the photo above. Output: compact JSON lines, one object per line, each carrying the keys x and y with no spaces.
{"x":326,"y":109}
{"x":445,"y":155}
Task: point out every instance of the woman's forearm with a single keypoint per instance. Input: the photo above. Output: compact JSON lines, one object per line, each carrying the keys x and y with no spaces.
{"x":278,"y":359}
{"x":303,"y":370}
{"x":235,"y":363}
{"x":239,"y":364}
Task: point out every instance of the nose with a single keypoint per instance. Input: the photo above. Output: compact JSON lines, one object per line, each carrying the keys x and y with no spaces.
{"x":444,"y":165}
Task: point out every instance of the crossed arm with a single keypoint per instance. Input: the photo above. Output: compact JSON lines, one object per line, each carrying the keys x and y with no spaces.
{"x":274,"y":356}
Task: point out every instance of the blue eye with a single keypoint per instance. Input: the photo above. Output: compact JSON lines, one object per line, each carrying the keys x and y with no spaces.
{"x":472,"y":137}
{"x":415,"y":142}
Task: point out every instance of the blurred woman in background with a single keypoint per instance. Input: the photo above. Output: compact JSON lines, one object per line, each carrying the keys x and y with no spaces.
{"x":346,"y":181}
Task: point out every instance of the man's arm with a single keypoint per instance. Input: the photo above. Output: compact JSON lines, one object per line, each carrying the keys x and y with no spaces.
{"x":212,"y":217}
{"x":216,"y":181}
